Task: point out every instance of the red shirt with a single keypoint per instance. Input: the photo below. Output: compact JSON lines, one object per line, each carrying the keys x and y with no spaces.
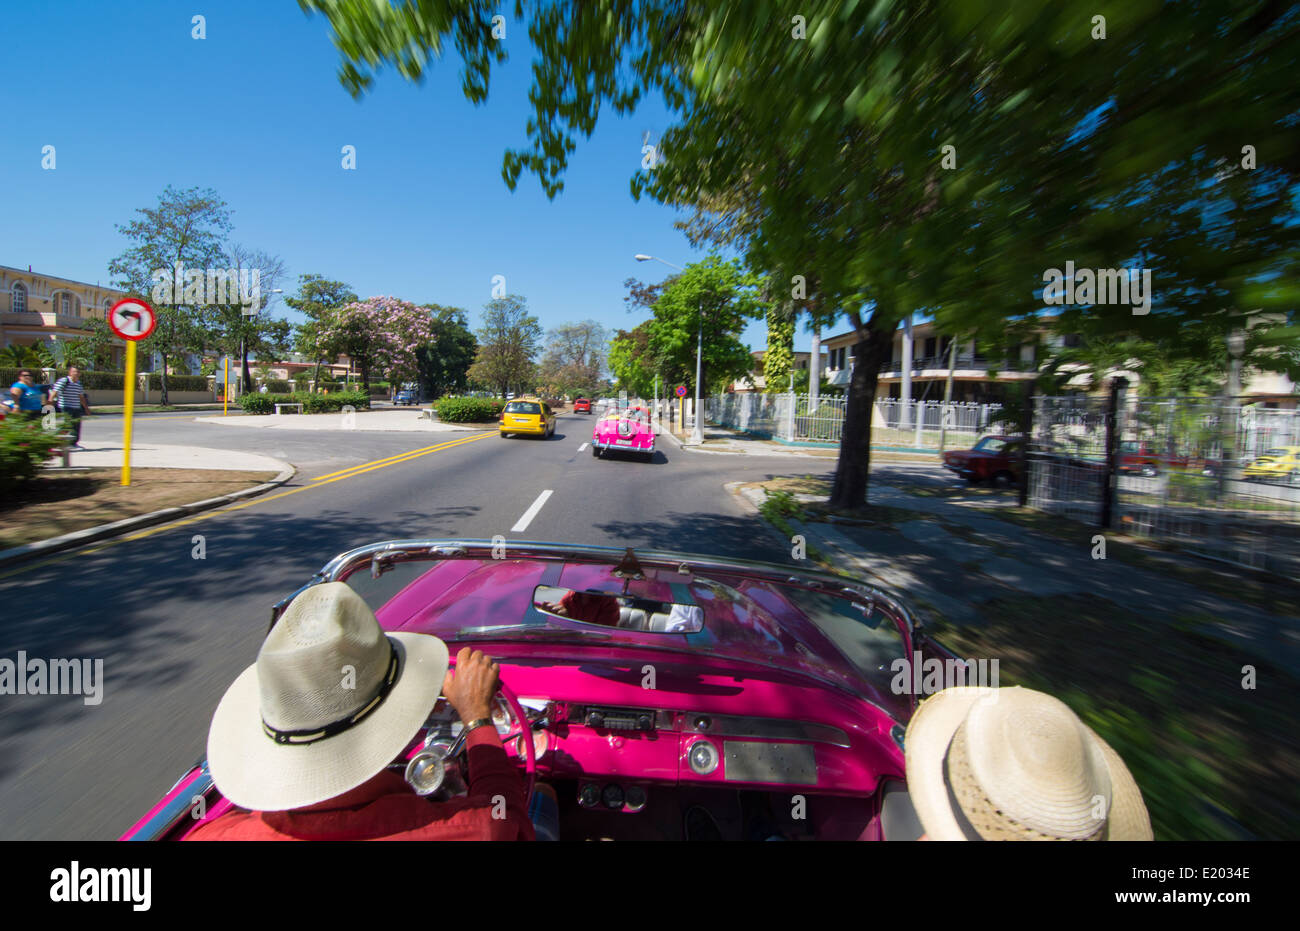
{"x":385,"y":808}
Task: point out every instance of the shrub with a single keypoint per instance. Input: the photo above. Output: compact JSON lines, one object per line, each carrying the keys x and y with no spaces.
{"x":311,"y":403}
{"x":24,"y":448}
{"x":278,"y":386}
{"x":469,"y":410}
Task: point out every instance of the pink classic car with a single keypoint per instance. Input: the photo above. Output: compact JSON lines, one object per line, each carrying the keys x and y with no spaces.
{"x":759,"y":692}
{"x":628,"y":431}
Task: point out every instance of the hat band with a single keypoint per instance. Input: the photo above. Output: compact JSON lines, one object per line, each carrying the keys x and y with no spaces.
{"x":312,"y":735}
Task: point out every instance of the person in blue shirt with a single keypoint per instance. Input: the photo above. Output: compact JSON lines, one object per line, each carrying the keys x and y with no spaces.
{"x":29,"y":397}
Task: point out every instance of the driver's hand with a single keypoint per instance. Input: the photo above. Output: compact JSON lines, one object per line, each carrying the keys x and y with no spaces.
{"x":473,"y":683}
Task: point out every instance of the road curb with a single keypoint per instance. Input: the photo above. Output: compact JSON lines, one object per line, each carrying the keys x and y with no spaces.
{"x":67,"y":541}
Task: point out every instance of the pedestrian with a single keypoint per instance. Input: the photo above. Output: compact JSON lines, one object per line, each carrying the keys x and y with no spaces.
{"x":264,"y":389}
{"x":69,"y":397}
{"x":27,"y":395}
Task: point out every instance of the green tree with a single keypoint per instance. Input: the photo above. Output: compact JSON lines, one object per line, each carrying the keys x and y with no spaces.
{"x":316,"y":299}
{"x":232,"y":328}
{"x":186,"y":228}
{"x":507,"y":344}
{"x":931,"y":156}
{"x":444,"y":363}
{"x":631,"y":362}
{"x":721,"y":298}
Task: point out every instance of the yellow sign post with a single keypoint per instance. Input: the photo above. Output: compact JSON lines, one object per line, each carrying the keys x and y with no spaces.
{"x":133,"y":320}
{"x":128,"y":410}
{"x":225,"y":389}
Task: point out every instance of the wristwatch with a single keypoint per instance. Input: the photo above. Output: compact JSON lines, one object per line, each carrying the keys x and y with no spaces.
{"x":477,"y":722}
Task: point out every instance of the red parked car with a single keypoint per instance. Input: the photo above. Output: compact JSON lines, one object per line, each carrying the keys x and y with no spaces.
{"x":995,"y":459}
{"x":582,"y":405}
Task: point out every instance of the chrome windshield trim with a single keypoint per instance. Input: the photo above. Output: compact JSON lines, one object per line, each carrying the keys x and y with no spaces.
{"x":171,"y":814}
{"x":394,"y":551}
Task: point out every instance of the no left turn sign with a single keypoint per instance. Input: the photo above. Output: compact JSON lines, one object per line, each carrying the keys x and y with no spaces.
{"x":132,"y":319}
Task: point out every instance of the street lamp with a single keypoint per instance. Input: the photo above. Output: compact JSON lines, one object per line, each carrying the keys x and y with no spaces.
{"x":697,"y":432}
{"x":243,"y":363}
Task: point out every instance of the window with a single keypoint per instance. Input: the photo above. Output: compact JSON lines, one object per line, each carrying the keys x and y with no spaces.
{"x":522,"y":407}
{"x":63,"y":303}
{"x":19,"y":298}
{"x":1071,"y":341}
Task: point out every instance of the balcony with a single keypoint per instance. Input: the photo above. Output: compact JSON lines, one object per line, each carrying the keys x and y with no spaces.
{"x":963,"y":363}
{"x":45,"y":318}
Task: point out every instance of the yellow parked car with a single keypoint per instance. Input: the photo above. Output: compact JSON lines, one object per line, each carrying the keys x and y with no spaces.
{"x":1279,"y":464}
{"x":527,"y":416}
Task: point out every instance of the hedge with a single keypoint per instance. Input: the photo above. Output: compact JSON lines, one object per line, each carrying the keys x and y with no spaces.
{"x":311,"y":403}
{"x":469,"y":410}
{"x":112,"y":381}
{"x":279,"y":386}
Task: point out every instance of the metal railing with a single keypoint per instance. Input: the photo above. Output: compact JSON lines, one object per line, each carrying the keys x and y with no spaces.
{"x":894,"y":422}
{"x":1194,"y":472}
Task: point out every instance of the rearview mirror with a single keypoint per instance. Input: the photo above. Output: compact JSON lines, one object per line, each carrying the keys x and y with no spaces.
{"x":628,"y":612}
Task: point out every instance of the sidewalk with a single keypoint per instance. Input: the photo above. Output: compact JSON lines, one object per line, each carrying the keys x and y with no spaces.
{"x":950,"y":561}
{"x":160,"y":456}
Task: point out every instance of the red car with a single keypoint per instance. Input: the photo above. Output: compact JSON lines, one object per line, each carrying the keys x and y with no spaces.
{"x":995,"y":459}
{"x":582,"y":405}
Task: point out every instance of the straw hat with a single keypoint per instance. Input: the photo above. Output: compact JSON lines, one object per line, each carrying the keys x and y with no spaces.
{"x":1015,"y":764}
{"x":329,"y":703}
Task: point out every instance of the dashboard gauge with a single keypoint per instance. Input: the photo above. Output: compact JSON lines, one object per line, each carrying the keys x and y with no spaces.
{"x":635,"y":798}
{"x":589,"y":795}
{"x":502,"y":719}
{"x":702,"y":757}
{"x":612,"y":796}
{"x":541,"y":743}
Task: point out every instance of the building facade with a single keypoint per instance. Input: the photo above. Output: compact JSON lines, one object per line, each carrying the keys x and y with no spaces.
{"x":36,"y":308}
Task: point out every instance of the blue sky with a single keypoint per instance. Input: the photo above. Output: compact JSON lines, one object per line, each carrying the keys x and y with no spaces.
{"x":132,"y":103}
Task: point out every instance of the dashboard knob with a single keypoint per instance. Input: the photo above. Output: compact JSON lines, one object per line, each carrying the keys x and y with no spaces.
{"x":595,"y":719}
{"x":644,"y":722}
{"x":703,"y":722}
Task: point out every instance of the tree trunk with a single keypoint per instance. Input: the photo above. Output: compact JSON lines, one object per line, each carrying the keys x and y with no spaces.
{"x":851,"y":473}
{"x":163,"y":393}
{"x":316,"y":381}
{"x":245,"y":379}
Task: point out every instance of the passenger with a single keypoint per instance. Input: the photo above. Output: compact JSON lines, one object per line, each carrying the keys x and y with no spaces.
{"x":592,"y":607}
{"x":302,"y":740}
{"x":1015,"y":764}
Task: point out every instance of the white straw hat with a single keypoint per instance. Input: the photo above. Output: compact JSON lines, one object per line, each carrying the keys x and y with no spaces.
{"x":1015,"y":764}
{"x":329,"y":703}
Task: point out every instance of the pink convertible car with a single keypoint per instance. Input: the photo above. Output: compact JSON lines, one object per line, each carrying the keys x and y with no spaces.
{"x":628,"y":431}
{"x":759,"y":692}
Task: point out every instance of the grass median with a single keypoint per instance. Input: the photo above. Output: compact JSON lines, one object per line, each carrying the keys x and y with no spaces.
{"x":57,"y":503}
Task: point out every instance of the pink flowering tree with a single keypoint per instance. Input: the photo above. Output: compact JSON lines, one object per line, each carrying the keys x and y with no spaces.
{"x":380,"y":334}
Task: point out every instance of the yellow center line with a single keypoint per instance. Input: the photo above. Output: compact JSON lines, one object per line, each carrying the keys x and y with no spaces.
{"x":261,"y":499}
{"x":394,"y":458}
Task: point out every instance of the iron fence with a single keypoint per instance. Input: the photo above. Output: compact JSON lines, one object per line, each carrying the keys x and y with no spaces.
{"x":894,"y":422}
{"x":1210,"y":475}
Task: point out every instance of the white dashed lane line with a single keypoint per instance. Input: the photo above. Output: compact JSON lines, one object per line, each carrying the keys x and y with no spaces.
{"x":582,"y":447}
{"x":529,"y":514}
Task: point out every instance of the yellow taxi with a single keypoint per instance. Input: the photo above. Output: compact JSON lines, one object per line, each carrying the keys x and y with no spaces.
{"x":528,"y":417}
{"x":1279,"y":464}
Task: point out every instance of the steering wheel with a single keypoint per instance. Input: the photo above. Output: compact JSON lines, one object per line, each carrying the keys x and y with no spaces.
{"x":530,"y":753}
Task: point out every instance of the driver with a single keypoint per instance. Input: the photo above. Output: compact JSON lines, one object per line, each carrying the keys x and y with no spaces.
{"x":302,"y":740}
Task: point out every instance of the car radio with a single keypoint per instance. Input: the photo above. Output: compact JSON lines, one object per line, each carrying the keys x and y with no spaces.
{"x":600,"y":717}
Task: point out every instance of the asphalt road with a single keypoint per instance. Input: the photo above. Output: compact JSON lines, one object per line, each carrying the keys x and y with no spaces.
{"x":174,"y":631}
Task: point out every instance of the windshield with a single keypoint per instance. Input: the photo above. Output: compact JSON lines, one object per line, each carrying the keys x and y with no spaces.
{"x":990,"y":444}
{"x":523,"y":407}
